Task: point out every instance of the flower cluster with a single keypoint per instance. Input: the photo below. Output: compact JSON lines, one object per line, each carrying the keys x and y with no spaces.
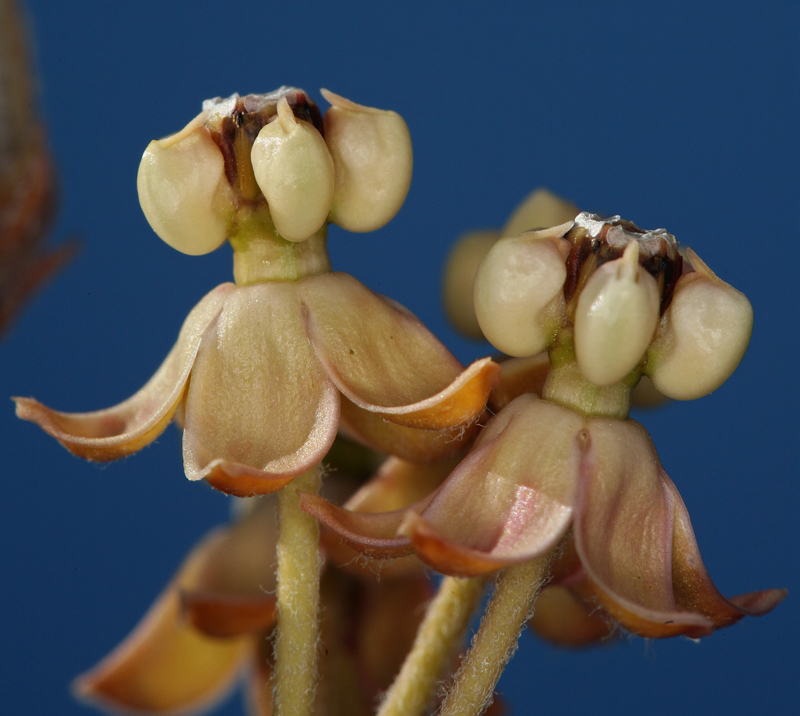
{"x":570,"y":474}
{"x":558,"y":488}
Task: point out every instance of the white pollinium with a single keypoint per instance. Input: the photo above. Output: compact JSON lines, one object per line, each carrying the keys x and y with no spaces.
{"x":183,"y":191}
{"x":294,"y":170}
{"x":518,"y":291}
{"x":371,"y":151}
{"x":616,"y":317}
{"x":703,"y":337}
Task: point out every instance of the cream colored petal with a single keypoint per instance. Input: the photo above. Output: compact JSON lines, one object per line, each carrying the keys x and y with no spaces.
{"x":624,"y":531}
{"x":371,"y":150}
{"x":616,"y":317}
{"x":518,"y":291}
{"x":183,"y":191}
{"x":703,"y":335}
{"x":294,"y":171}
{"x":125,"y":428}
{"x":384,"y":360}
{"x":511,"y":499}
{"x":260,"y":409}
{"x":165,"y":665}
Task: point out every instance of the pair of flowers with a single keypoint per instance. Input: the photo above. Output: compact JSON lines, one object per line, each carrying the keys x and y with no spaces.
{"x":266,"y":371}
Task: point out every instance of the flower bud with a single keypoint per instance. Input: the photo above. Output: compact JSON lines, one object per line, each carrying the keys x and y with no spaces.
{"x":294,"y":170}
{"x":183,"y":191}
{"x":459,"y":276}
{"x":539,"y":210}
{"x":518,"y":294}
{"x":704,"y":334}
{"x":371,"y":151}
{"x":616,"y":317}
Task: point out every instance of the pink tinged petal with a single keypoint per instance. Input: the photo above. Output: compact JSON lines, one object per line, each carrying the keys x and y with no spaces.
{"x":165,"y":665}
{"x":126,"y":428}
{"x":385,"y":361}
{"x":259,"y":410}
{"x":375,"y":431}
{"x":511,"y":499}
{"x":624,"y":523}
{"x":564,"y":619}
{"x":694,"y":590}
{"x":519,"y":376}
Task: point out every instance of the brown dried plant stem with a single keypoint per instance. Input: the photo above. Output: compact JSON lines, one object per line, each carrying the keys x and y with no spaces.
{"x":299,"y":566}
{"x":496,"y":640}
{"x":438,"y":637}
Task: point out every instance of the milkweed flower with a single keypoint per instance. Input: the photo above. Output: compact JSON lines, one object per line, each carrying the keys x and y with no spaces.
{"x":571,"y":472}
{"x":265,"y":369}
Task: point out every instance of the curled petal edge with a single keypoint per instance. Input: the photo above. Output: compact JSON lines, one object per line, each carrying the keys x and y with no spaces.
{"x":460,"y":403}
{"x":239,"y":480}
{"x":126,"y":428}
{"x":372,"y":534}
{"x":449,"y":557}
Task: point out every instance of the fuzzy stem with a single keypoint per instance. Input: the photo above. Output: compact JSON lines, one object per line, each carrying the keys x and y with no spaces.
{"x":299,"y":565}
{"x":496,"y":640}
{"x":438,"y":637}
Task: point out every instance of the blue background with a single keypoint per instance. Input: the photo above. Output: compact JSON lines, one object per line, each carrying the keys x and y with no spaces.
{"x":681,"y":114}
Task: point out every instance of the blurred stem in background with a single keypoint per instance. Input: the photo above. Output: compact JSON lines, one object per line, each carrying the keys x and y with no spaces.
{"x":27,"y":178}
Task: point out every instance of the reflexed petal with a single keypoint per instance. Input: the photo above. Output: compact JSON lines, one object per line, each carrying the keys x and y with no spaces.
{"x":397,"y":486}
{"x":165,"y":665}
{"x":624,"y":522}
{"x":373,"y":535}
{"x":519,"y":376}
{"x":561,"y":617}
{"x":374,"y":430}
{"x":240,"y":561}
{"x":694,"y":590}
{"x":225,"y":616}
{"x":259,"y":410}
{"x":385,"y":361}
{"x":125,"y":428}
{"x":511,"y":499}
